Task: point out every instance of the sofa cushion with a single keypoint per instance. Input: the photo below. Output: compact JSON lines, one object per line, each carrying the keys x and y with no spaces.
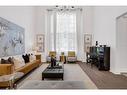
{"x":28,"y":67}
{"x":18,"y":63}
{"x":19,"y":57}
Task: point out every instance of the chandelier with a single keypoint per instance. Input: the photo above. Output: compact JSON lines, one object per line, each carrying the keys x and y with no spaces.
{"x":64,"y":8}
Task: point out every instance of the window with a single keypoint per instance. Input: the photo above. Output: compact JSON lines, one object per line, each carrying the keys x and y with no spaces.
{"x":64,"y":36}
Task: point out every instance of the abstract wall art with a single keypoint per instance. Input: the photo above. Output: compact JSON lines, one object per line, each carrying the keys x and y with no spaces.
{"x":12,"y":40}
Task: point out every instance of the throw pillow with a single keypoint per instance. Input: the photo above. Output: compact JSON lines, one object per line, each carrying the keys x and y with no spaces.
{"x":19,"y":57}
{"x":26,"y":58}
{"x":7,"y":61}
{"x":3,"y":61}
{"x":18,"y":63}
{"x":10,"y":59}
{"x":32,"y":57}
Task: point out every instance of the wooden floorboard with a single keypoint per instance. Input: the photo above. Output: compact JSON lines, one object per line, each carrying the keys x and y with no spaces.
{"x":104,"y":79}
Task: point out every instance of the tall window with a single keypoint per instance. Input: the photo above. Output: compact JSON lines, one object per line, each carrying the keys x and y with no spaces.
{"x":64,"y":36}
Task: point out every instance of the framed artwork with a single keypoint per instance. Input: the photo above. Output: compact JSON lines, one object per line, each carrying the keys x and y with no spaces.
{"x":40,"y":38}
{"x":87,"y":47}
{"x":88,"y":38}
{"x":40,"y":47}
{"x":87,"y":42}
{"x":12,"y":38}
{"x":40,"y":42}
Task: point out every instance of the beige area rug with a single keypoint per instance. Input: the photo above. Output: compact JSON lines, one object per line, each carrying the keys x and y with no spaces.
{"x":72,"y":72}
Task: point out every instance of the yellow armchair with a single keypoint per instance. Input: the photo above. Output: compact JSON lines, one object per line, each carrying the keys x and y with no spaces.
{"x":51,"y":53}
{"x":71,"y":56}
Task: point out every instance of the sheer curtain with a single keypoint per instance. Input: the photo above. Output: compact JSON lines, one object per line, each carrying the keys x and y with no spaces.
{"x":62,"y":31}
{"x":66,"y":38}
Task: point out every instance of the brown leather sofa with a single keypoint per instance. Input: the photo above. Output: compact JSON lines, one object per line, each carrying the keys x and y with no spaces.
{"x":6,"y":69}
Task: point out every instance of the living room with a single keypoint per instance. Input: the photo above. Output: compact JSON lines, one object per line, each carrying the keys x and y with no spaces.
{"x":40,"y":28}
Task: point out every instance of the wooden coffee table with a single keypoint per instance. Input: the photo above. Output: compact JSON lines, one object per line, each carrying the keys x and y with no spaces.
{"x":53,"y":72}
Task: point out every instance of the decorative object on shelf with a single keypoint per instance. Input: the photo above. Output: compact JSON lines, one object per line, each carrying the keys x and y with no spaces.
{"x":96,"y":43}
{"x":40,"y":42}
{"x":87,"y":42}
{"x":62,"y":57}
{"x":12,"y":41}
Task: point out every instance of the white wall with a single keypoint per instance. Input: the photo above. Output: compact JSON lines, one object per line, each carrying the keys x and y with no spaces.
{"x":40,"y":26}
{"x":121,"y":45}
{"x":24,"y":17}
{"x":105,"y":32}
{"x":87,"y":28}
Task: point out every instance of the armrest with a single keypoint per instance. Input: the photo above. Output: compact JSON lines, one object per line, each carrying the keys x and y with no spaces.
{"x":6,"y":69}
{"x":38,"y":61}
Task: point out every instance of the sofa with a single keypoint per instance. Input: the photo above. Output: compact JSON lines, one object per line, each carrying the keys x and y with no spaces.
{"x":6,"y":69}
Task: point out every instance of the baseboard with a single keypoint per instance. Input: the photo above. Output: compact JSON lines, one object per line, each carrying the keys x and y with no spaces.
{"x":115,"y":72}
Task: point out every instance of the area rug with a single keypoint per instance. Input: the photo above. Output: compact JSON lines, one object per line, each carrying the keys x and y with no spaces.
{"x":72,"y":72}
{"x":36,"y":84}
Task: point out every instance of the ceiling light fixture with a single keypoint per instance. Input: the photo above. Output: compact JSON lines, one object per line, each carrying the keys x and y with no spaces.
{"x":64,"y":8}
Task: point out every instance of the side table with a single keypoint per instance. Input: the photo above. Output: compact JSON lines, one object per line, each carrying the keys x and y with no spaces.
{"x":38,"y":57}
{"x":63,"y":59}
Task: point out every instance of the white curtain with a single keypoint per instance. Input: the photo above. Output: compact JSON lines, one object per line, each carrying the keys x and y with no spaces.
{"x":66,"y":36}
{"x":80,"y":35}
{"x":63,"y":30}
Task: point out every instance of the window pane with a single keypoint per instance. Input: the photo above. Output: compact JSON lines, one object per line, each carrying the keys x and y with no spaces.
{"x":66,"y":32}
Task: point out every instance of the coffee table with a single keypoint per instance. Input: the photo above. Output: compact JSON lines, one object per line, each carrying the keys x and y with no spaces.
{"x":53,"y":72}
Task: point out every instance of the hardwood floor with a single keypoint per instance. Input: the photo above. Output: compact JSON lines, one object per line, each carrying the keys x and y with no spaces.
{"x":104,"y":79}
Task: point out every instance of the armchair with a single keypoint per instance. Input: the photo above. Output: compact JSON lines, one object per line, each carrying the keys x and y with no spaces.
{"x":71,"y":56}
{"x":51,"y":53}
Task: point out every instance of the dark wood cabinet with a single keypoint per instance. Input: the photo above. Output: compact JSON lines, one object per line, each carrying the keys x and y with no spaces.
{"x":100,"y":57}
{"x":104,"y":58}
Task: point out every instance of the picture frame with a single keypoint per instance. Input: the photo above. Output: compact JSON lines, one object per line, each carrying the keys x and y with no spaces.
{"x":40,"y":42}
{"x":87,"y":47}
{"x":40,"y":38}
{"x":40,"y":47}
{"x":88,"y":38}
{"x":87,"y":42}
